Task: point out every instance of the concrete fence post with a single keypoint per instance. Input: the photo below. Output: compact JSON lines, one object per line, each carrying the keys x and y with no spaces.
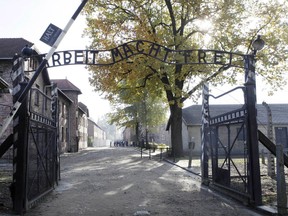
{"x":281,"y":185}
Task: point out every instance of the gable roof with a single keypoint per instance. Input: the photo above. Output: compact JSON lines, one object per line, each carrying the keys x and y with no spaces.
{"x":192,"y":114}
{"x":84,"y":108}
{"x":64,"y":95}
{"x":91,"y":121}
{"x":10,"y":46}
{"x":66,"y":85}
{"x":279,"y":113}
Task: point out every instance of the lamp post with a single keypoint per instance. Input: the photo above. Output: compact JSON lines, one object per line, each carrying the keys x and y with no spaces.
{"x":254,"y":181}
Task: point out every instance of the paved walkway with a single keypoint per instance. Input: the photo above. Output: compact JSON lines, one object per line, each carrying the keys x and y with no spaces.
{"x":183,"y":162}
{"x":117,"y":182}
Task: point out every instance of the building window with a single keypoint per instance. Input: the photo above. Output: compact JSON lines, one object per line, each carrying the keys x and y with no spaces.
{"x":62,"y":109}
{"x":62,"y":134}
{"x":46,"y":100}
{"x":67,"y":135}
{"x":37,"y":95}
{"x":32,"y":63}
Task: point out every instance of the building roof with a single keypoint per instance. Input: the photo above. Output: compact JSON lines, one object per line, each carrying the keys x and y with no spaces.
{"x":64,"y":96}
{"x":192,"y":114}
{"x":279,"y":113}
{"x":66,"y":85}
{"x":91,"y":121}
{"x":10,"y":46}
{"x":84,"y":108}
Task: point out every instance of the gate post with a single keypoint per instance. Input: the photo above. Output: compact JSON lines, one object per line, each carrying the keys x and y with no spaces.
{"x":20,"y":125}
{"x":20,"y":132}
{"x":281,"y":184}
{"x":270,"y":157}
{"x":204,"y":135}
{"x":254,"y":181}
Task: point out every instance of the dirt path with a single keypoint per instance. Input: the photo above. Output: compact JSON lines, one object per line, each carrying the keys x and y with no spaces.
{"x":117,"y":182}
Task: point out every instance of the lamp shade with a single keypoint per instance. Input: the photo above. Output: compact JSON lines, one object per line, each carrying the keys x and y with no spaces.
{"x":258,"y":44}
{"x":27,"y":51}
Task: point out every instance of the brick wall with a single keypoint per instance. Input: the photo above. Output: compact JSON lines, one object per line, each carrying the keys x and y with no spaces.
{"x":73,"y":121}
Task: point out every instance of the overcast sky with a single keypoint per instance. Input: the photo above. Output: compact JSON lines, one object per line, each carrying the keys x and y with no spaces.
{"x":30,"y":18}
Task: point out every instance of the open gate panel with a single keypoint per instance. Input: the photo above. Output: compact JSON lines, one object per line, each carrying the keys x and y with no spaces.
{"x":35,"y":150}
{"x":228,"y":150}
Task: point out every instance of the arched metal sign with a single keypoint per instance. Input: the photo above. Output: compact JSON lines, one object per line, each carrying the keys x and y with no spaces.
{"x":143,"y":47}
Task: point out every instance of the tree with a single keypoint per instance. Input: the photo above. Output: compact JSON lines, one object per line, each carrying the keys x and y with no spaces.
{"x":180,"y":25}
{"x":109,"y":129}
{"x":137,"y":109}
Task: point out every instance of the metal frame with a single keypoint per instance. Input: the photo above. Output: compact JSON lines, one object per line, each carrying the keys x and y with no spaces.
{"x":36,"y":159}
{"x":42,"y":149}
{"x":246,"y":118}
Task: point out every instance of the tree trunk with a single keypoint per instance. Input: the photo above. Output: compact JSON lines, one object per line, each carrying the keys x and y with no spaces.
{"x":137,"y":134}
{"x":176,"y":130}
{"x":146,"y":137}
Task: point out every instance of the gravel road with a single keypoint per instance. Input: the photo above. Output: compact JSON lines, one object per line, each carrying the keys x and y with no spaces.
{"x":117,"y":182}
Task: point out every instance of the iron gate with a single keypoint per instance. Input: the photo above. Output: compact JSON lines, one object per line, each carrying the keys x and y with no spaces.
{"x":229,"y":152}
{"x":42,"y":146}
{"x":234,"y":159}
{"x":36,"y":156}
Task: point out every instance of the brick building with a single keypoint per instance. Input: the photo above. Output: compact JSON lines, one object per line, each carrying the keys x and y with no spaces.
{"x":64,"y":103}
{"x":96,"y":136}
{"x":9,"y":49}
{"x":69,"y":134}
{"x":73,"y":116}
{"x":83,"y":114}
